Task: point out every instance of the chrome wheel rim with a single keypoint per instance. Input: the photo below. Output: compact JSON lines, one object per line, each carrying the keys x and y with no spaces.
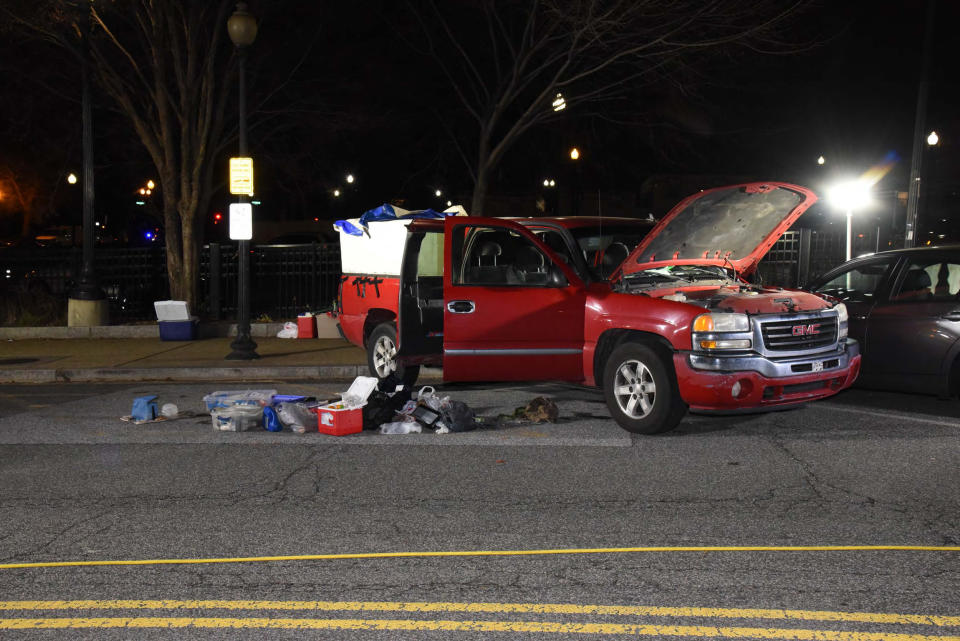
{"x":384,"y":357}
{"x":634,"y":389}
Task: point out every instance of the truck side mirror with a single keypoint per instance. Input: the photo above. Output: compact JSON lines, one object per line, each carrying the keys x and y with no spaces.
{"x":555,"y":277}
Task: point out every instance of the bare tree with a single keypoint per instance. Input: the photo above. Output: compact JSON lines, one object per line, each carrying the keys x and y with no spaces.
{"x":507,"y":60}
{"x":164,"y":64}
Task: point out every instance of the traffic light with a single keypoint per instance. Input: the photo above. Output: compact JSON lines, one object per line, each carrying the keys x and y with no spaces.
{"x":217,"y":217}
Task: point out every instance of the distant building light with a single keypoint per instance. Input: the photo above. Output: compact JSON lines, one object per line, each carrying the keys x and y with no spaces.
{"x":574,"y":154}
{"x":336,"y":193}
{"x":140,"y":202}
{"x":148,"y":235}
{"x":254,"y":202}
{"x":438,"y":193}
{"x":143,"y":192}
{"x":553,"y":183}
{"x":151,"y":184}
{"x":350,"y":178}
{"x":559,"y":104}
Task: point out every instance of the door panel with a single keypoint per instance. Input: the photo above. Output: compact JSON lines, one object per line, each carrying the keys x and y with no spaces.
{"x":910,"y":334}
{"x":504,"y":319}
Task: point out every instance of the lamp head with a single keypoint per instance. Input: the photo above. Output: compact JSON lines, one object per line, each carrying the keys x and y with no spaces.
{"x":242,"y":26}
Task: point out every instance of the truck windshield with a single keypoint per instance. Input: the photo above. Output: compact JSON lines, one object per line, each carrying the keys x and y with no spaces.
{"x":604,"y":247}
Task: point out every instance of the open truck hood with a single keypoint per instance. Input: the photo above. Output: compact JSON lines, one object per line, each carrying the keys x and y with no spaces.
{"x":731,"y":226}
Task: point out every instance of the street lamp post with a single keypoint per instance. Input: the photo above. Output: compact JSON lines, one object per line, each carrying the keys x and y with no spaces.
{"x":87,"y":304}
{"x":242,"y":28}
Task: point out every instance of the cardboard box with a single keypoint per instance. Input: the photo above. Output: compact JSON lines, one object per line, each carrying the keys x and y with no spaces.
{"x":332,"y":419}
{"x":182,"y":330}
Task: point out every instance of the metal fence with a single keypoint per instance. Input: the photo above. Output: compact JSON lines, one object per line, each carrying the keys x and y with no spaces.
{"x":285,"y":279}
{"x":289,"y":279}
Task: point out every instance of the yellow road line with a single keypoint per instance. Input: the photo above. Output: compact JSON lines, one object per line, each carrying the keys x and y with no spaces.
{"x":512,"y":608}
{"x":471,"y":626}
{"x":388,"y":555}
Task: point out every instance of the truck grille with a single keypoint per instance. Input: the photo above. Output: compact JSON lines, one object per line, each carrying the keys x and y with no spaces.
{"x":799,"y":334}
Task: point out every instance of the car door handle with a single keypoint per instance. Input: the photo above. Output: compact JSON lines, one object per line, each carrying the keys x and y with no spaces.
{"x":461,"y":307}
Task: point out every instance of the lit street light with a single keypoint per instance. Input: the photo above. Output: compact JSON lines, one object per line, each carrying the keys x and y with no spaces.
{"x":242,"y":28}
{"x":559,"y":104}
{"x":574,"y":154}
{"x":933,"y":139}
{"x":72,"y":179}
{"x":850,"y":196}
{"x":821,"y":160}
{"x":438,"y":193}
{"x":350,"y":178}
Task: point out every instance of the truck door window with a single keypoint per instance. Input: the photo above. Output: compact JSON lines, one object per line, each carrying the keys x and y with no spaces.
{"x":492,"y":256}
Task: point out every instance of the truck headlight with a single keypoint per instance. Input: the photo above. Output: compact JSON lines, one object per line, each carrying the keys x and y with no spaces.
{"x":842,"y":321}
{"x":721,"y":323}
{"x":707,"y":326}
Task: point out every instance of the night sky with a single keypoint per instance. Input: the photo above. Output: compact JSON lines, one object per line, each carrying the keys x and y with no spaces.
{"x":366,"y":100}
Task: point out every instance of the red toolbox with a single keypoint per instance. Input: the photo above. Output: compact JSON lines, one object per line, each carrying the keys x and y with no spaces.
{"x":333,"y":419}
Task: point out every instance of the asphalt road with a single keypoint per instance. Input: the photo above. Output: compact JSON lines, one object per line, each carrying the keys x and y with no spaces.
{"x":567,"y":530}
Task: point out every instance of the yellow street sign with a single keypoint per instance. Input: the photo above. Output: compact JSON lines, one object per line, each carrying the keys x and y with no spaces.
{"x":241,"y":176}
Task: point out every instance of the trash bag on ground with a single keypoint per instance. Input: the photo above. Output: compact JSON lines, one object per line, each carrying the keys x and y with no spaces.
{"x":457,"y":416}
{"x":290,"y":330}
{"x":382,"y":407}
{"x":296,"y":417}
{"x":405,"y":426}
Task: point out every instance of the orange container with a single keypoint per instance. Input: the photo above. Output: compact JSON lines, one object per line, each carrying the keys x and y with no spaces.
{"x":306,"y":326}
{"x":337,"y":421}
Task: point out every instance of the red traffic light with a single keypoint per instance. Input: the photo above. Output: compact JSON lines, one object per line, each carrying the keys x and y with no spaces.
{"x":217,"y":217}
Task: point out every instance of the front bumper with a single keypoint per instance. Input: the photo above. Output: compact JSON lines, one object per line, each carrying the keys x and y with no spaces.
{"x":752,"y":382}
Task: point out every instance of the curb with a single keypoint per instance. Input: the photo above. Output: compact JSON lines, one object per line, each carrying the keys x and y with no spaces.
{"x":188,"y":374}
{"x":326,"y":328}
{"x":108,"y":375}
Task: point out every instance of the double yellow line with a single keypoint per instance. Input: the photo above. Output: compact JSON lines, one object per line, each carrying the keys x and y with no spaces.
{"x":598,"y":628}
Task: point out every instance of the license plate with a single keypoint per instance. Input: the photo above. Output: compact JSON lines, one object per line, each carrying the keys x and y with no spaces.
{"x":818,"y":366}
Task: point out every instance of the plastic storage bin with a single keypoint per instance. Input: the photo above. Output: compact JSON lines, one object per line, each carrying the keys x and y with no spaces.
{"x":228,"y":398}
{"x":237,"y":418}
{"x":335,"y":420}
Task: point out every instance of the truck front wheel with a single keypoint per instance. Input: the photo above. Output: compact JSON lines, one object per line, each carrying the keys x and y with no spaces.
{"x":382,"y":356}
{"x":640,"y":390}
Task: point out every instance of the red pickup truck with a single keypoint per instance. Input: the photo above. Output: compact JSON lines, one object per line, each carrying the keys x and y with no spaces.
{"x":675,"y":327}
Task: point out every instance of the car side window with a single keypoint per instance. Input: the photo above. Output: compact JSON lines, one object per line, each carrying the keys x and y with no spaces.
{"x":497,"y":257}
{"x":858,"y":284}
{"x":928,"y":280}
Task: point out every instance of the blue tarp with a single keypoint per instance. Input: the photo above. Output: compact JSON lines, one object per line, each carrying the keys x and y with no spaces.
{"x":386,"y":212}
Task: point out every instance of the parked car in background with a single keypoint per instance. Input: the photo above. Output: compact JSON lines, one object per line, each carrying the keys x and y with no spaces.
{"x":904,"y":308}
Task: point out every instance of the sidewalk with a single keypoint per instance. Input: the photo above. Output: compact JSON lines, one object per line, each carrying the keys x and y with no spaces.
{"x":136,"y":353}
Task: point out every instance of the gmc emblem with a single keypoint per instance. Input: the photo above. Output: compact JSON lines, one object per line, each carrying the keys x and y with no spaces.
{"x":806,"y":330}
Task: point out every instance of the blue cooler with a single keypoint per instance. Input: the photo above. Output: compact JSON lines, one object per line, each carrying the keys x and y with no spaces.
{"x":176,"y":323}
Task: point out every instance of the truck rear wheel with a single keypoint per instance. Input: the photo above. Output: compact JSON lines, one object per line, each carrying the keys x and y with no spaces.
{"x":640,"y":390}
{"x":382,"y":356}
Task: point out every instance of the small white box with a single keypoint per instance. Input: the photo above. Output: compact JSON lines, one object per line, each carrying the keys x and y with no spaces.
{"x":171,"y":310}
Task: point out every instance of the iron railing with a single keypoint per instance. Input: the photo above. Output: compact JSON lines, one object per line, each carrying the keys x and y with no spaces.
{"x":287,"y":280}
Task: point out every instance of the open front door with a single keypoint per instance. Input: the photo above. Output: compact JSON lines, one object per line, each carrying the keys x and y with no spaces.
{"x":512,"y":310}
